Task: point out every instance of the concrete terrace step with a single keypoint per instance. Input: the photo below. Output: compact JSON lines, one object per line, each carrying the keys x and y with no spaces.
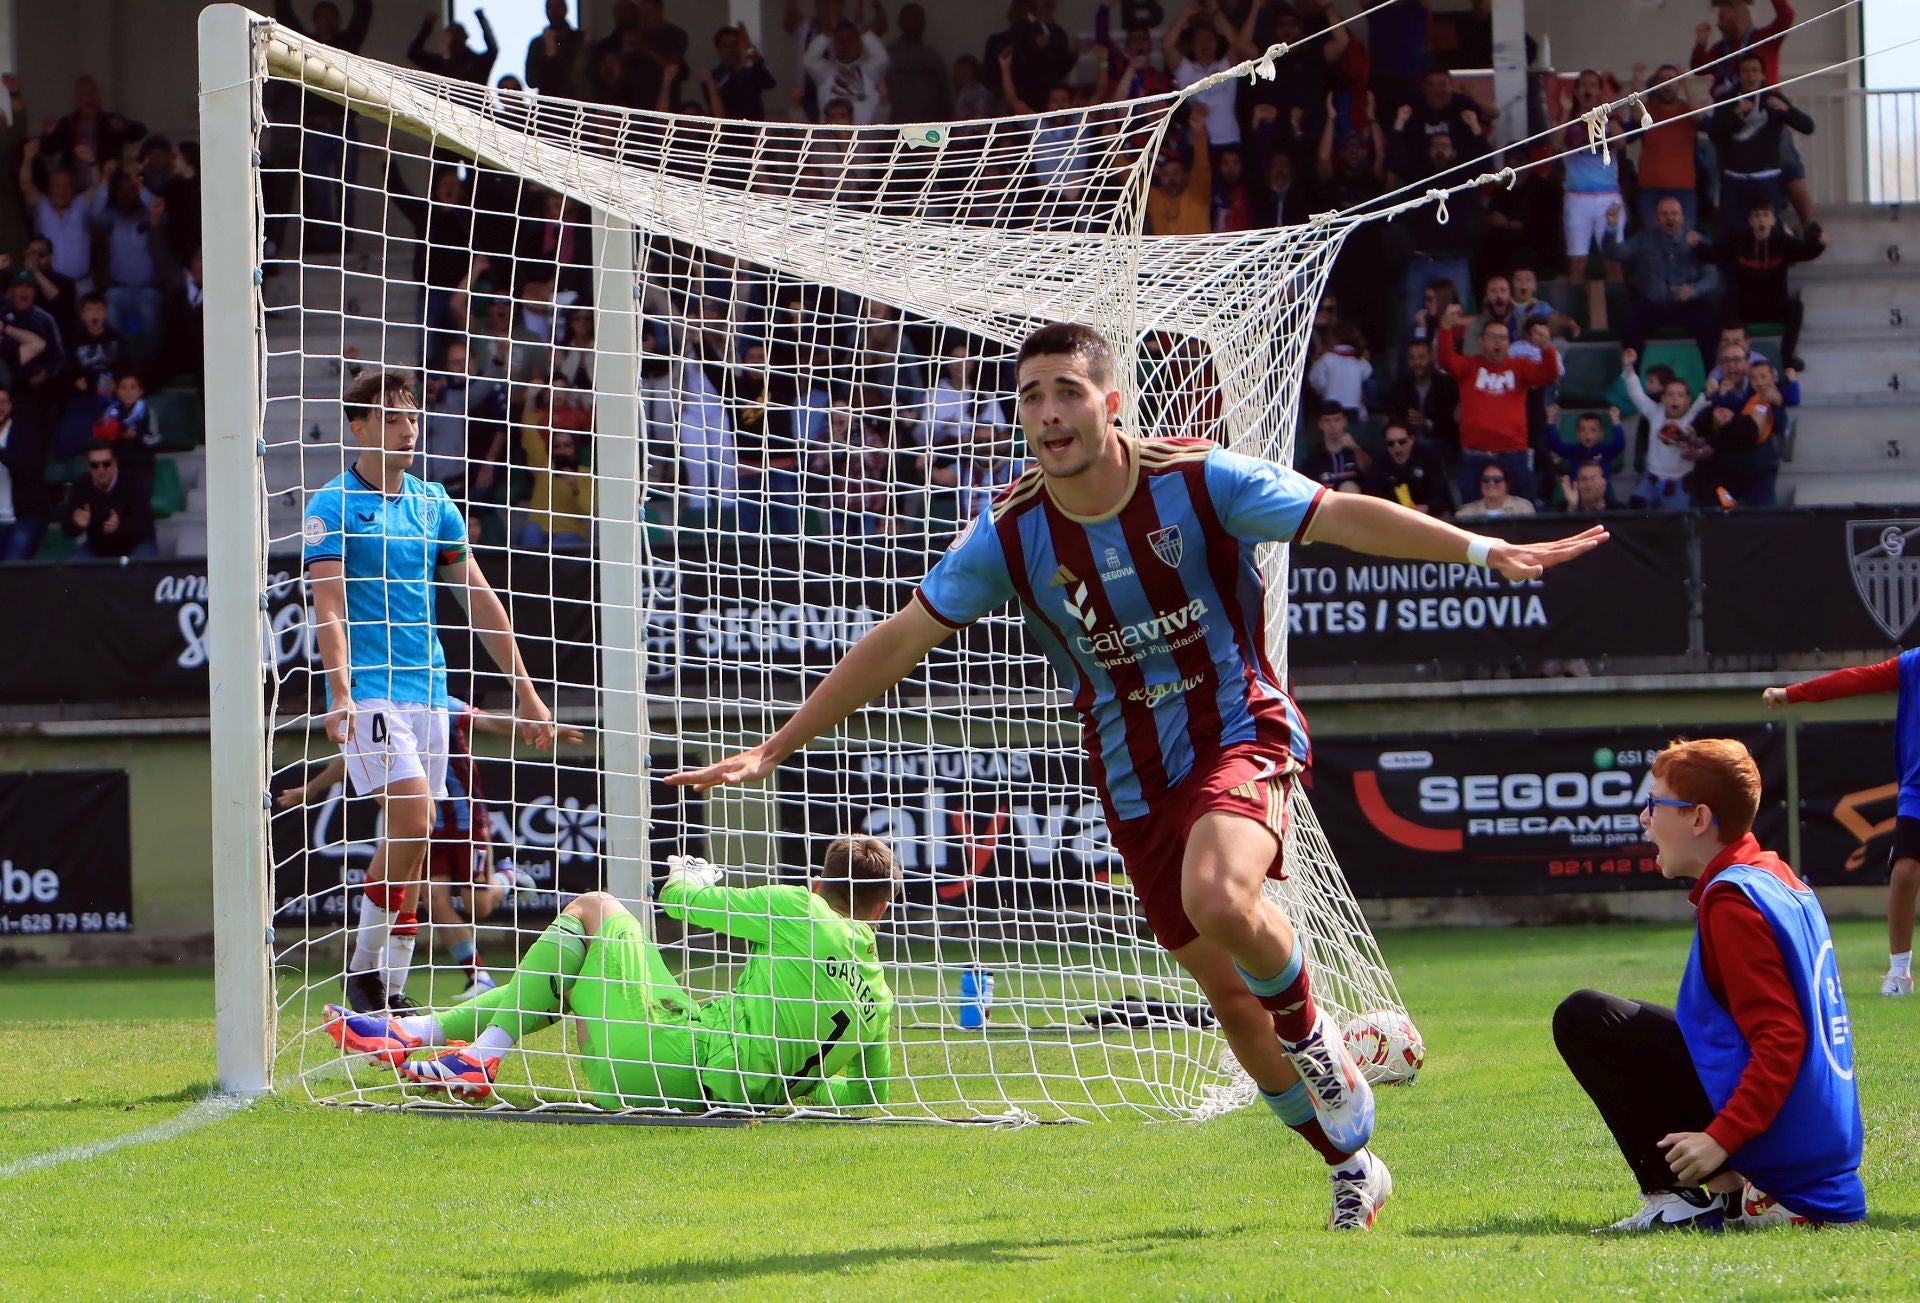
{"x":1849,"y":488}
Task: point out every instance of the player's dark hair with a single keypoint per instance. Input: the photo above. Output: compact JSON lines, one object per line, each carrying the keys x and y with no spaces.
{"x":1760,"y":202}
{"x":1071,"y":339}
{"x":860,"y":875}
{"x":373,"y":388}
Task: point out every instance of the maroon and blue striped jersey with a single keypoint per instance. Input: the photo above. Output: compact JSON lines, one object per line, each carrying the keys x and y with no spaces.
{"x":461,"y":813}
{"x":1154,"y":613}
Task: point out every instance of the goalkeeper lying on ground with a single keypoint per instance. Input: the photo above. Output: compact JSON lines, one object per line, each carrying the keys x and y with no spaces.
{"x":807,"y":1023}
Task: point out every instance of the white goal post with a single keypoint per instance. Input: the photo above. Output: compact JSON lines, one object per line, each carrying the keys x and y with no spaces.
{"x":711,"y":396}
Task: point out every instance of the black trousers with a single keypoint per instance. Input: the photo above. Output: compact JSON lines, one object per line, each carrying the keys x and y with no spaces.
{"x":1629,"y":1056}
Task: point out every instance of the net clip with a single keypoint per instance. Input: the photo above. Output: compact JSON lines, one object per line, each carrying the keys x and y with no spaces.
{"x":1596,"y":119}
{"x":1263,"y":68}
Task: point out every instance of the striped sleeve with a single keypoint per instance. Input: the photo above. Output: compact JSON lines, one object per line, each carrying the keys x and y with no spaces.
{"x":1261,"y":502}
{"x":971,"y":580}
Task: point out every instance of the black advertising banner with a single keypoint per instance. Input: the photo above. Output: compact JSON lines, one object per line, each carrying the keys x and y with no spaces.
{"x":109,"y":632}
{"x":1848,"y":799}
{"x":729,"y":617}
{"x":1781,"y":582}
{"x":66,"y":852}
{"x":1005,"y":828}
{"x":1627,"y":598}
{"x":1509,"y":813}
{"x":544,"y":818}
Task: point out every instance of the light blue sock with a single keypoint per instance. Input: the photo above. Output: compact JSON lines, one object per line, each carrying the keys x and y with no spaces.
{"x":1269,"y":986}
{"x":462,"y":952}
{"x":1292,"y":1106}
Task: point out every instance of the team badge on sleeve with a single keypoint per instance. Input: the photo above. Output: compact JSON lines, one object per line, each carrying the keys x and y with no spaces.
{"x":1167,"y":544}
{"x":314,"y":531}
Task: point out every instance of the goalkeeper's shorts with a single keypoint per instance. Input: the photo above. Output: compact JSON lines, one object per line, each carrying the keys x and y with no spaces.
{"x":1249,"y":779}
{"x":637,"y":1020}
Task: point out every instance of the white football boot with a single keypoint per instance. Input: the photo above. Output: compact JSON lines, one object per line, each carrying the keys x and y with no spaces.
{"x":1360,"y":1186}
{"x":1666,"y":1211}
{"x":1896,"y":985}
{"x":1342,"y":1100}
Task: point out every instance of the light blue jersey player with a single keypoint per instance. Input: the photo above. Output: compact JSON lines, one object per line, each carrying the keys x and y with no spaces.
{"x":1133,"y":564}
{"x":376,"y":540}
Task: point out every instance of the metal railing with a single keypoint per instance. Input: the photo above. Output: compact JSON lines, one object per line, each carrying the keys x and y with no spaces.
{"x":1866,"y":148}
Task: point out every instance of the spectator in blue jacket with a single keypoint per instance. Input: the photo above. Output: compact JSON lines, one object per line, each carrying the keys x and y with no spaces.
{"x":1669,"y":283}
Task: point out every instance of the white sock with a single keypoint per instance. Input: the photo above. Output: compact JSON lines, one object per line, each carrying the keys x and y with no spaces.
{"x":370,"y":937}
{"x":425,"y":1026}
{"x":396,"y":959}
{"x":490,"y":1044}
{"x":1903,"y":964}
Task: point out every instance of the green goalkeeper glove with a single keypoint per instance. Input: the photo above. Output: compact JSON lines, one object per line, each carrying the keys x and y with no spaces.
{"x":693,"y":871}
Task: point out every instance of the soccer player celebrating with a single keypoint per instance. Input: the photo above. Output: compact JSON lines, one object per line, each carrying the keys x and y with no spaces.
{"x":1746,"y":1085}
{"x":375,"y":540}
{"x":808,"y":1021}
{"x":1900,"y":674}
{"x":1133,"y":561}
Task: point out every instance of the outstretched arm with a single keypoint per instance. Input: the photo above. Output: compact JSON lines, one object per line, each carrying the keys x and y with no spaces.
{"x":886,"y":655}
{"x":1850,"y":682}
{"x":1383,"y":528}
{"x":491,"y":622}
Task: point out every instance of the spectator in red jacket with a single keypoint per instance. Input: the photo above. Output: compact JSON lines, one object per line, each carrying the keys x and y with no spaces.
{"x":1737,"y":33}
{"x":1493,"y":405}
{"x":1745,"y":1088}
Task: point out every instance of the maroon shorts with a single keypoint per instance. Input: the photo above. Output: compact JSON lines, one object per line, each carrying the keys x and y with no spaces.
{"x":464,"y":862}
{"x":1248,"y":779}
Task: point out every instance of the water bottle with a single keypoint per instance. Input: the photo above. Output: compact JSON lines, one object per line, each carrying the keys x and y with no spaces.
{"x":976,"y":997}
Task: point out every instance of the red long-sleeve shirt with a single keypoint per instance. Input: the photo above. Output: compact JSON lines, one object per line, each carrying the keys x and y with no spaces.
{"x":1763,"y":41}
{"x":1493,"y":395}
{"x":1741,"y":961}
{"x":1854,"y":681}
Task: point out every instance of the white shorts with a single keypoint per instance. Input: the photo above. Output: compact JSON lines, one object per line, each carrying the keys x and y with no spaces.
{"x":1585,"y":218}
{"x":392,"y":743}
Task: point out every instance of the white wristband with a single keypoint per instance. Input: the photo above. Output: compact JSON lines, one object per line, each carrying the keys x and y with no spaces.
{"x":1477,"y":550}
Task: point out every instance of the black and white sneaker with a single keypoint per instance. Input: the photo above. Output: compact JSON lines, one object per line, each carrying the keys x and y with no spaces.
{"x":1672,"y":1210}
{"x":401,"y":1002}
{"x":366,"y":992}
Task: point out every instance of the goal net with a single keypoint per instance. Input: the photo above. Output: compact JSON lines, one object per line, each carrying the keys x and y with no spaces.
{"x":711,"y":397}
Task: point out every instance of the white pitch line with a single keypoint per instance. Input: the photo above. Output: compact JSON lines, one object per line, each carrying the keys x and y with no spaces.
{"x":210,"y":1109}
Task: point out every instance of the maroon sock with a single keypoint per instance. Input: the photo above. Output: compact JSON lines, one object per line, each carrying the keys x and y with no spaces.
{"x":1293,"y":1010}
{"x":1311,"y":1132}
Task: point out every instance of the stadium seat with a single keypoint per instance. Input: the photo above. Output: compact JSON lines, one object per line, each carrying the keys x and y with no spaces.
{"x":169,"y":498}
{"x":54,"y":546}
{"x":1771,"y":348}
{"x":1591,"y":369}
{"x":1683,"y":359}
{"x":1371,"y":435}
{"x":182,"y":420}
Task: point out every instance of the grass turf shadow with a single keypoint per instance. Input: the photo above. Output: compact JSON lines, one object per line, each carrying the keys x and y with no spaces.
{"x":541,"y":1281}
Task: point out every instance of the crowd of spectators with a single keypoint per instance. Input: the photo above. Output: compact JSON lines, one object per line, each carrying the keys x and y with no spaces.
{"x":1445,"y":396}
{"x":100,"y":262}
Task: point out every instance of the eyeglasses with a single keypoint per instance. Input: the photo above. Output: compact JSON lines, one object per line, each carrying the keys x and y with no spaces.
{"x":1398,"y":443}
{"x":1493,"y":479}
{"x":1653,"y":800}
{"x":100,"y":465}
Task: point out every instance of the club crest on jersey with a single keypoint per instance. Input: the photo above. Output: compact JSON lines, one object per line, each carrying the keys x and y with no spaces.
{"x":1885,"y":558}
{"x":1167,"y":544}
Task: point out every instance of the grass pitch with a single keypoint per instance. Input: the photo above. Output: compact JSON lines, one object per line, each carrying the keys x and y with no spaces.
{"x":1500,"y":1169}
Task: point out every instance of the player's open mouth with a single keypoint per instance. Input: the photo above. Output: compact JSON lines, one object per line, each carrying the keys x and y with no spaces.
{"x":1060,"y":444}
